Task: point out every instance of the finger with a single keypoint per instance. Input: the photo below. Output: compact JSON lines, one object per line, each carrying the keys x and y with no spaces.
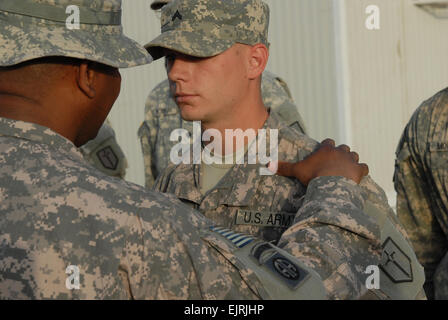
{"x":328,"y":142}
{"x":273,"y":167}
{"x":344,"y":148}
{"x":286,"y":169}
{"x":365,"y":169}
{"x":355,"y":156}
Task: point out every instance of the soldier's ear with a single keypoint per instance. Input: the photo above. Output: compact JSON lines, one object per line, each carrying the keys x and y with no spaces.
{"x":85,"y":77}
{"x":258,"y":59}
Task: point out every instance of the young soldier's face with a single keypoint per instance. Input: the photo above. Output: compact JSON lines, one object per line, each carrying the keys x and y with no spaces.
{"x":208,"y":89}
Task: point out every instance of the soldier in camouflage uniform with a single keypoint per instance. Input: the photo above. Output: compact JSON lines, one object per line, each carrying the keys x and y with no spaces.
{"x":105,"y":154}
{"x":162,"y":116}
{"x":421,"y":177}
{"x":266,"y":206}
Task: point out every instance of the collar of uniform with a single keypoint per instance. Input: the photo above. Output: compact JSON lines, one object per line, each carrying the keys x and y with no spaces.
{"x":236,"y":184}
{"x":37,"y":133}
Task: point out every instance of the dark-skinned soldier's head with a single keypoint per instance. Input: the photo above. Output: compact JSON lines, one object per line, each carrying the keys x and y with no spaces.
{"x":58,"y":73}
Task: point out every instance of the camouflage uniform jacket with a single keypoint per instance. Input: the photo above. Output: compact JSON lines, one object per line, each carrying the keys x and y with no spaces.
{"x":421,"y":181}
{"x":56,"y":210}
{"x":162,"y":116}
{"x":338,"y":241}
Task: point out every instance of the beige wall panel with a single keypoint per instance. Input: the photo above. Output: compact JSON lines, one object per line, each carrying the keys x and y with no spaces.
{"x":303,"y":53}
{"x":375,"y":65}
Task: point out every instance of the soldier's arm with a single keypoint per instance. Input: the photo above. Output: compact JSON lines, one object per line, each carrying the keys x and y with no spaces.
{"x":147,"y":134}
{"x":340,"y":223}
{"x":147,"y":144}
{"x":174,"y":252}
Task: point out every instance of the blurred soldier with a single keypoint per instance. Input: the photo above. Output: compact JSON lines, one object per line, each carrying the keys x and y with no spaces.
{"x":162,"y":116}
{"x":105,"y":154}
{"x":68,"y":230}
{"x":216,"y":79}
{"x":421,"y":181}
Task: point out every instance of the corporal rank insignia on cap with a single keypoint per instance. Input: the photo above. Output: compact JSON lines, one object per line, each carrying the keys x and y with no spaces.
{"x":395,"y":263}
{"x":108,"y":158}
{"x":238,"y":239}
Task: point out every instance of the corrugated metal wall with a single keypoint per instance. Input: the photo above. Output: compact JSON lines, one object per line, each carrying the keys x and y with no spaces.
{"x":355,"y":85}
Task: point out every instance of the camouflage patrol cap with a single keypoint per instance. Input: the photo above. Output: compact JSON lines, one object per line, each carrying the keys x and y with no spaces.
{"x":31,"y":29}
{"x":205,"y":28}
{"x":158,"y":4}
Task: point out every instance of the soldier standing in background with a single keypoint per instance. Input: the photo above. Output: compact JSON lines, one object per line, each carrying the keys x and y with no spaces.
{"x":421,"y":182}
{"x":58,"y":213}
{"x":162,"y":116}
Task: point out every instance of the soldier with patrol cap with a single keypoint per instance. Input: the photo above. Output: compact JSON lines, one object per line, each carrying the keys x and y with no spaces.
{"x":162,"y":117}
{"x":72,"y":232}
{"x":213,"y":50}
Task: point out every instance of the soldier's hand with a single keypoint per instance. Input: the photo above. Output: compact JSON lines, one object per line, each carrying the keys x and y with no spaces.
{"x":327,"y":160}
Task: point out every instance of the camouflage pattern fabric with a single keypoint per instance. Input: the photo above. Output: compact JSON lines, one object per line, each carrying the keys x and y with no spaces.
{"x":56,"y":210}
{"x":345,"y":241}
{"x":441,"y":280}
{"x":421,"y":177}
{"x":105,"y":154}
{"x":99,"y":39}
{"x":162,"y":117}
{"x":204,"y":28}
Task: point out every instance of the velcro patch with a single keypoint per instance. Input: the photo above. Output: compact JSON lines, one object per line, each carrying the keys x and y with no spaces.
{"x":281,"y":266}
{"x":108,"y":158}
{"x":395,"y":263}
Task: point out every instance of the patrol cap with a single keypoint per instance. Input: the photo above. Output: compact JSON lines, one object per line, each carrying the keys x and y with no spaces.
{"x":31,"y":29}
{"x":205,"y":28}
{"x":158,"y":4}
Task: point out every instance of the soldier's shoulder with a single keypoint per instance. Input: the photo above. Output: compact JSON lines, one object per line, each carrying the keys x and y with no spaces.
{"x":428,"y":122}
{"x":271,"y":79}
{"x":434,"y":108}
{"x":173,"y":175}
{"x":292,"y":139}
{"x":113,"y":193}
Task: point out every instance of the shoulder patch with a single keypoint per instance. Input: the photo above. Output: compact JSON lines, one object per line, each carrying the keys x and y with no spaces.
{"x":395,"y":263}
{"x":278,"y":264}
